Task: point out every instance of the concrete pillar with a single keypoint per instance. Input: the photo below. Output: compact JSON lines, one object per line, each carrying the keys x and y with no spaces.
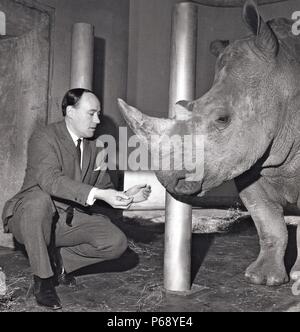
{"x":178,"y":227}
{"x":2,"y":24}
{"x":82,"y":59}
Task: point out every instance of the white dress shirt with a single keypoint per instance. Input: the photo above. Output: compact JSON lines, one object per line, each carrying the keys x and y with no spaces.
{"x":91,"y":197}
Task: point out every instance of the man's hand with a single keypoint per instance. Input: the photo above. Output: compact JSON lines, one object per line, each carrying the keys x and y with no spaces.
{"x":139,"y":193}
{"x":116,"y":199}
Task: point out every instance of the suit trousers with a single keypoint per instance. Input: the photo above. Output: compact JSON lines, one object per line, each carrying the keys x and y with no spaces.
{"x":91,"y":238}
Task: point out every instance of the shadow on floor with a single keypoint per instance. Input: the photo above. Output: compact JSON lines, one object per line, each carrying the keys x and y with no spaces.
{"x":129,"y":260}
{"x":201,"y":244}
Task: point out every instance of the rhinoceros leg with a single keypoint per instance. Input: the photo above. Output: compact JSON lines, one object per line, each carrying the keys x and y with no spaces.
{"x":267,"y":214}
{"x":295,"y":272}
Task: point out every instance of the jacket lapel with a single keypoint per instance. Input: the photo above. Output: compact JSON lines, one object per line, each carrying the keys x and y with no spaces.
{"x":67,"y":142}
{"x":66,"y":139}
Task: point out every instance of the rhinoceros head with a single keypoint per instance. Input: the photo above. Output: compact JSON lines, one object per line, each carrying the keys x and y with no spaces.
{"x":237,"y":119}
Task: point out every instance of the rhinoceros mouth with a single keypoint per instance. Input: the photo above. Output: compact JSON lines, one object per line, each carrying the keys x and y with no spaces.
{"x":178,"y":183}
{"x":184,"y":187}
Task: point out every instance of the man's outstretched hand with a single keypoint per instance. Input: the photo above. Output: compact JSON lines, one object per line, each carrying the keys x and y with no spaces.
{"x":139,"y":193}
{"x":116,"y":199}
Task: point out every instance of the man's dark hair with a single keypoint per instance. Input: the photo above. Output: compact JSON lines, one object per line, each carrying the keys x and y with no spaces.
{"x":71,"y":98}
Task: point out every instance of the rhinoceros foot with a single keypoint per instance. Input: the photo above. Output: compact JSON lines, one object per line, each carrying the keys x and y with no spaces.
{"x":295,"y":272}
{"x":265,"y":271}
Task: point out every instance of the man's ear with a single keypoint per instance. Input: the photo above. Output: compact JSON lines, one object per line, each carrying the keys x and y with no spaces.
{"x":218,"y":46}
{"x":69,"y":111}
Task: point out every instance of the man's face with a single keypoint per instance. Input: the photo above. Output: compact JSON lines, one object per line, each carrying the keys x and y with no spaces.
{"x":84,"y":117}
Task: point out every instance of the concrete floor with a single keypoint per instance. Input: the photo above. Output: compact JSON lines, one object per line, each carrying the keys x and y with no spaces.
{"x":133,"y":283}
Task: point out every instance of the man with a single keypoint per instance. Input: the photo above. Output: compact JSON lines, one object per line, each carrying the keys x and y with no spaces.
{"x":61,"y":184}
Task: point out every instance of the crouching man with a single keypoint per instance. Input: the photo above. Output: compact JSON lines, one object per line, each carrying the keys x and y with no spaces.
{"x":60,"y":185}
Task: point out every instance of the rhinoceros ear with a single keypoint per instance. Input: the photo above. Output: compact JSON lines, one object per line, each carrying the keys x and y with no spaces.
{"x":218,"y":46}
{"x":266,"y":41}
{"x":182,"y":111}
{"x":251,"y":16}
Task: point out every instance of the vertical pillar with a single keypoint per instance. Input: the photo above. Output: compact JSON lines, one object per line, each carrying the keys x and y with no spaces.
{"x":82,"y":59}
{"x":2,"y":24}
{"x":178,"y":226}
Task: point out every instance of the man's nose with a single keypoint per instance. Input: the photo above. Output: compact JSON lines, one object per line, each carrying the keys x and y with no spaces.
{"x":96,"y":118}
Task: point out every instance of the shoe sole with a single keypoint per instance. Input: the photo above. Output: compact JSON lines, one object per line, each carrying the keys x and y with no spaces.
{"x":46,"y":306}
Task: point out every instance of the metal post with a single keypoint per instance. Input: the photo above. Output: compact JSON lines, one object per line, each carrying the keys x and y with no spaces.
{"x":82,"y":56}
{"x":2,"y":24}
{"x":178,"y":227}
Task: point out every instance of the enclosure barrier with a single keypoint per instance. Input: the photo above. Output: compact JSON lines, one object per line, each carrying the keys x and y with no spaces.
{"x":82,"y":56}
{"x":2,"y":24}
{"x":178,"y":225}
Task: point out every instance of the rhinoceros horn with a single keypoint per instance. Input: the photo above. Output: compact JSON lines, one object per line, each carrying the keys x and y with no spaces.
{"x":266,"y":41}
{"x":182,"y":110}
{"x":142,"y":125}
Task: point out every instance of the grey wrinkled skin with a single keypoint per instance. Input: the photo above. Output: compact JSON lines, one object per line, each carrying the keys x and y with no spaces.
{"x":250,"y":120}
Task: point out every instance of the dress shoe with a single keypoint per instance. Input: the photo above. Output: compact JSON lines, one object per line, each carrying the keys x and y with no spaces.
{"x":45,"y":293}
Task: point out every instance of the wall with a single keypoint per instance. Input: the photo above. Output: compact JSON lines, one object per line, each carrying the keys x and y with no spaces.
{"x":149,"y":54}
{"x":110,"y":19}
{"x":24,"y":67}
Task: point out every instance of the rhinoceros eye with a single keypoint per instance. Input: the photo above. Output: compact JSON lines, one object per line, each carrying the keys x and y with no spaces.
{"x":222,"y":121}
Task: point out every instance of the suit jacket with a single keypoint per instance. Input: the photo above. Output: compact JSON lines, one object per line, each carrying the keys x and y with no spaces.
{"x":53,"y":167}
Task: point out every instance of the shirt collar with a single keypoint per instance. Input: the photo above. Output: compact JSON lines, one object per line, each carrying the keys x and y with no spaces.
{"x":75,"y":138}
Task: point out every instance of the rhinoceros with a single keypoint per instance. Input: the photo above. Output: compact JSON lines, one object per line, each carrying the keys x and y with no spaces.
{"x":250,"y":121}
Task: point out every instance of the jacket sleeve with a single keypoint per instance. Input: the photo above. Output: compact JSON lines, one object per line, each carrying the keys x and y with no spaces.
{"x":44,"y":161}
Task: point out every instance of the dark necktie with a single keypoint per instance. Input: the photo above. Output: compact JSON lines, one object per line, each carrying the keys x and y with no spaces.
{"x":70,"y":209}
{"x":78,"y":150}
